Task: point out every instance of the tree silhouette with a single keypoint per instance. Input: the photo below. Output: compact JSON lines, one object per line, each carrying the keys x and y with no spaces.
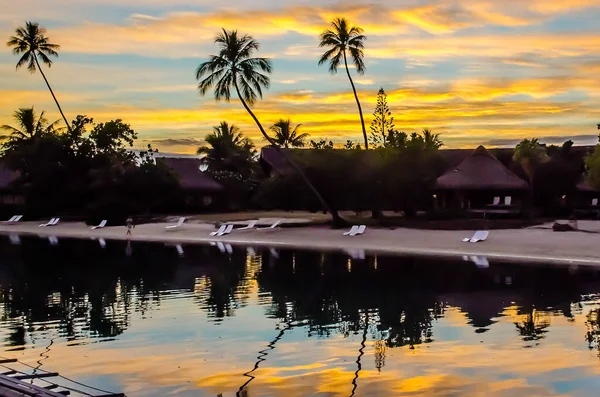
{"x":287,"y":136}
{"x":235,"y":67}
{"x":342,"y":39}
{"x":382,"y":125}
{"x":31,"y":43}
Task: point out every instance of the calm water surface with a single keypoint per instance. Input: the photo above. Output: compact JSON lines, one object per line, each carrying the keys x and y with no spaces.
{"x":145,"y":321}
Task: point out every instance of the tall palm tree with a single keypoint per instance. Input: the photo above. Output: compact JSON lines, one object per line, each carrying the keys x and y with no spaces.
{"x":287,"y":136}
{"x":342,"y":39}
{"x":235,"y":67}
{"x":28,"y":126}
{"x":31,"y":43}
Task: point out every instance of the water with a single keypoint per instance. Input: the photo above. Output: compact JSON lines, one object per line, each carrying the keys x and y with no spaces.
{"x":284,"y":323}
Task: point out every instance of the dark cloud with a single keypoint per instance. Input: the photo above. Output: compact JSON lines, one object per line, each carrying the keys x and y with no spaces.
{"x":178,"y":142}
{"x":550,"y":140}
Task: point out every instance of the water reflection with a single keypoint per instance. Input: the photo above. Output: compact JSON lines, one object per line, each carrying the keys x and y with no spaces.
{"x":204,"y":320}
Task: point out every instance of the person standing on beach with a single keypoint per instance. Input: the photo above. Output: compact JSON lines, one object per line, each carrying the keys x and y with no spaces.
{"x":130,"y":226}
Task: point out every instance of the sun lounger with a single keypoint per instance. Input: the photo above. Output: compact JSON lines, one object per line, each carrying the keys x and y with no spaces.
{"x":273,"y":226}
{"x":178,"y":224}
{"x":250,"y":225}
{"x":51,"y":222}
{"x":361,"y":229}
{"x":480,"y":235}
{"x":14,"y":219}
{"x":221,"y":229}
{"x":352,"y":231}
{"x":101,"y":225}
{"x":496,"y":201}
{"x":227,"y":230}
{"x":507,"y":200}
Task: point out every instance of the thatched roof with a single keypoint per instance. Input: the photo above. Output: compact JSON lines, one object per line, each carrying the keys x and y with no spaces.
{"x":480,"y":171}
{"x":583,"y":186}
{"x":189,"y":174}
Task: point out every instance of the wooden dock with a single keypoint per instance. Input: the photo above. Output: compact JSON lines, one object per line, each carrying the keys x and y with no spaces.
{"x":13,"y":383}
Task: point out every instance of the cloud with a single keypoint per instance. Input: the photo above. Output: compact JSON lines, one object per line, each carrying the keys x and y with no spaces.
{"x":178,"y":142}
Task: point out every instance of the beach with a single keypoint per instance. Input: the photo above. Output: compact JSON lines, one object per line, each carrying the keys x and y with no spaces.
{"x":539,"y":244}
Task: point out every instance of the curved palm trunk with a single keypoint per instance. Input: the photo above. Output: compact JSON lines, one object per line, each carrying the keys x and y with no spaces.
{"x":52,"y":92}
{"x":337,"y":220}
{"x":362,"y":120}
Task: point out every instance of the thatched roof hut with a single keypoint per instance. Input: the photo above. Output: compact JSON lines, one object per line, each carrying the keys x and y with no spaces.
{"x":480,"y":171}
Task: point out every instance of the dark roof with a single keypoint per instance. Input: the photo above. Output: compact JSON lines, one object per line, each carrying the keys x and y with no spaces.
{"x":189,"y":174}
{"x":583,"y":186}
{"x":480,"y":171}
{"x":7,"y":177}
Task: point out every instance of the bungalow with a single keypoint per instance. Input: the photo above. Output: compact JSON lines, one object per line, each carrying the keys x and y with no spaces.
{"x":200,"y":191}
{"x":479,"y":181}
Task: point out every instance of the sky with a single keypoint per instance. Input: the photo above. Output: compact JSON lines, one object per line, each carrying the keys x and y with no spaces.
{"x":477,"y":72}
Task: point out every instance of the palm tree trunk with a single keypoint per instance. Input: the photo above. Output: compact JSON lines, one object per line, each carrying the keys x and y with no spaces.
{"x":51,"y":92}
{"x":362,"y":120}
{"x":337,"y":220}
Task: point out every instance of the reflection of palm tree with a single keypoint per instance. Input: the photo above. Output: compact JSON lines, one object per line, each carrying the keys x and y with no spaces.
{"x":360,"y":354}
{"x":593,"y":333}
{"x":533,"y":329}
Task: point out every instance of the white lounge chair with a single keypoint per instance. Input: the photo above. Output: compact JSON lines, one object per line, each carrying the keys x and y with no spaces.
{"x":228,"y":229}
{"x":177,"y":225}
{"x":594,"y":202}
{"x":101,"y":225}
{"x":507,"y":200}
{"x":496,"y":201}
{"x":221,"y":229}
{"x":250,"y":225}
{"x":51,"y":222}
{"x":273,"y":226}
{"x":14,"y":219}
{"x":352,"y":231}
{"x":361,"y":229}
{"x":480,"y":235}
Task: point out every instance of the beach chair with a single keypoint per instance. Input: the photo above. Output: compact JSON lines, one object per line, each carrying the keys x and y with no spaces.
{"x":14,"y":219}
{"x":594,"y":202}
{"x":227,"y":230}
{"x":496,"y":201}
{"x":507,"y":200}
{"x":352,"y":231}
{"x":361,"y":229}
{"x":273,"y":226}
{"x":250,"y":225}
{"x":101,"y":225}
{"x":220,"y":230}
{"x":177,"y":225}
{"x":480,"y":235}
{"x":51,"y":222}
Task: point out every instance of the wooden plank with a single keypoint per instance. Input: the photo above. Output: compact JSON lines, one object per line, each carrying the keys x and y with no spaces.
{"x":36,"y":376}
{"x":8,"y":360}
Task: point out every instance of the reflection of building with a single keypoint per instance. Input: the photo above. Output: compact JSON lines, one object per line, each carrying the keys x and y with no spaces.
{"x":482,"y":307}
{"x":199,"y":189}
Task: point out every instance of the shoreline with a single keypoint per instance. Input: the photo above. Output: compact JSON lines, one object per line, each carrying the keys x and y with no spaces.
{"x":510,"y":245}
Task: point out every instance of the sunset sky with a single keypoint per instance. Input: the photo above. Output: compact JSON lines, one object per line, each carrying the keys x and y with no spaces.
{"x":477,"y":72}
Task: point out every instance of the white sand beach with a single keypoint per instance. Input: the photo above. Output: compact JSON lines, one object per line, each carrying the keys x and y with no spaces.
{"x":538,"y":244}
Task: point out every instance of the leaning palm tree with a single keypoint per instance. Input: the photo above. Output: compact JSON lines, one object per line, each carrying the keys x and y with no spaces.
{"x":287,"y":136}
{"x":235,"y":67}
{"x":28,"y":125}
{"x":31,"y":43}
{"x":342,"y":39}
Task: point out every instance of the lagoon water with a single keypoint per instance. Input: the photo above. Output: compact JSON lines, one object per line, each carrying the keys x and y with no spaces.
{"x":142,"y":320}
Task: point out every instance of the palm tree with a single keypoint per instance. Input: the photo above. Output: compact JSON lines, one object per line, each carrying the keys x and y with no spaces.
{"x":529,"y":154}
{"x":431,"y":140}
{"x":235,"y":67}
{"x":287,"y":136}
{"x":29,"y":126}
{"x":340,"y":40}
{"x":228,"y":148}
{"x":30,"y":42}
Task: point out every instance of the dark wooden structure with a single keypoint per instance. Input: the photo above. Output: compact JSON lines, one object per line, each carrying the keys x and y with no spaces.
{"x":475,"y":182}
{"x":201,"y":192}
